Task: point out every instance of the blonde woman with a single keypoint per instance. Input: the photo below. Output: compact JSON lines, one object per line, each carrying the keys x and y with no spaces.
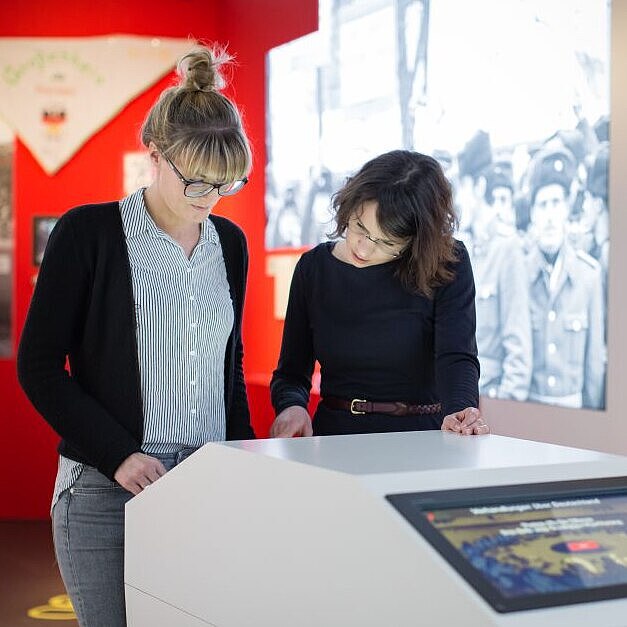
{"x":143,"y":298}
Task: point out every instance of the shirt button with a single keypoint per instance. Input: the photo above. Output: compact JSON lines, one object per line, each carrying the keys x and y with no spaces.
{"x":192,"y":411}
{"x":192,"y":297}
{"x":192,"y":382}
{"x":552,"y":349}
{"x":192,"y":353}
{"x":576,"y":325}
{"x":189,"y":270}
{"x":552,"y":316}
{"x":193,"y":325}
{"x":551,"y":381}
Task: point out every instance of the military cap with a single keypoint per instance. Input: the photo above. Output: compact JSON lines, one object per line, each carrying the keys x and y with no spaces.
{"x":551,"y":166}
{"x":475,"y":156}
{"x":498,"y":175}
{"x":597,"y":181}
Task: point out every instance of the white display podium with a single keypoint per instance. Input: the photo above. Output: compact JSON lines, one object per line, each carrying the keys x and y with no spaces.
{"x":297,"y":533}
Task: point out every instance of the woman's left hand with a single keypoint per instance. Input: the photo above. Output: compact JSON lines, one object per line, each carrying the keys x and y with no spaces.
{"x":465,"y":422}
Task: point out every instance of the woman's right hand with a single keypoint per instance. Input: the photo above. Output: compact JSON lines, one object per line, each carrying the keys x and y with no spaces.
{"x":292,"y":422}
{"x":138,"y":471}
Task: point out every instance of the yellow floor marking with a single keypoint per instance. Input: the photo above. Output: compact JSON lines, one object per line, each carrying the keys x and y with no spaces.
{"x":59,"y":608}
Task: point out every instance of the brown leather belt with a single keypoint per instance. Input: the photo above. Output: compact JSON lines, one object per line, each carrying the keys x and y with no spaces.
{"x":393,"y":408}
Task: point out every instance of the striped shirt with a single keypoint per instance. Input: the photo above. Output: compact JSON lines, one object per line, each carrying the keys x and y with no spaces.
{"x":184,"y":319}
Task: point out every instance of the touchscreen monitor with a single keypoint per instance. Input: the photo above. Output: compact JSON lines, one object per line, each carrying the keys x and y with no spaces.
{"x":529,"y":546}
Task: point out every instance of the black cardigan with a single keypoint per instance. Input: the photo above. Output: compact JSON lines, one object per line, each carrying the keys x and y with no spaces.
{"x":83,"y":310}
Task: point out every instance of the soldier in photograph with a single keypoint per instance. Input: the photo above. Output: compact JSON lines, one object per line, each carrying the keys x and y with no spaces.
{"x":565,"y":291}
{"x":595,"y":208}
{"x":469,"y":182}
{"x":502,"y":298}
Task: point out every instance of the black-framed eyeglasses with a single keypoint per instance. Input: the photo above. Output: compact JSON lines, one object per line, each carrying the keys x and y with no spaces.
{"x":196,"y":189}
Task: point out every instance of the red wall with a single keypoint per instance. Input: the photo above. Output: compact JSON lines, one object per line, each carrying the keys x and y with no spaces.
{"x":250,"y":28}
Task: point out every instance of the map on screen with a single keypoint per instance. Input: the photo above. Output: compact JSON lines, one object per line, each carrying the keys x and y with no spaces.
{"x":531,"y":549}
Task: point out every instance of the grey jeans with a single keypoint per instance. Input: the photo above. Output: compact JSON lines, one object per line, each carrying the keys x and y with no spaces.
{"x":88,"y":532}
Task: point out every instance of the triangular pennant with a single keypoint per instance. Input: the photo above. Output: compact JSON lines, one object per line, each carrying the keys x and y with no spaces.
{"x":56,"y":93}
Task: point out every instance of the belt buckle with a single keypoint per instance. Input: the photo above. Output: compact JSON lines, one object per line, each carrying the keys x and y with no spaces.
{"x":357,"y":400}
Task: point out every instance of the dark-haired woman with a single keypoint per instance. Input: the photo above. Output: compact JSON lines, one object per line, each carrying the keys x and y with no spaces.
{"x":387,"y":310}
{"x":144,"y":298}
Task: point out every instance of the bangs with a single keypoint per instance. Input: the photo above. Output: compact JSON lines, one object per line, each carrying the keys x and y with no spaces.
{"x":221,"y":157}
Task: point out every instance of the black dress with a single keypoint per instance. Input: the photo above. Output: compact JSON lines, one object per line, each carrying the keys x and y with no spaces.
{"x":376,"y":341}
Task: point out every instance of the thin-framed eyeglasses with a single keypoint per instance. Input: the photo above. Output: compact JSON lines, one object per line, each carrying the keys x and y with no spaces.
{"x":392,"y":249}
{"x":196,"y":189}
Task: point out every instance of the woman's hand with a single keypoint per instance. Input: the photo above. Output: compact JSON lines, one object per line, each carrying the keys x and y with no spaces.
{"x":138,"y":471}
{"x":465,"y":422}
{"x":292,"y":422}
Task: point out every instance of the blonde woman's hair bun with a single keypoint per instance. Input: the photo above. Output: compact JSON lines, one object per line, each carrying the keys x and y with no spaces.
{"x":197,"y":125}
{"x":199,"y":69}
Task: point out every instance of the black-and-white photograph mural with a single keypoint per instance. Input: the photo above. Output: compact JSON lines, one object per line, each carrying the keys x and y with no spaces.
{"x":512,"y":98}
{"x":6,"y":239}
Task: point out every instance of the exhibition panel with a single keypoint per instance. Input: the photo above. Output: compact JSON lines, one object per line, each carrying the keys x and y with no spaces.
{"x":300,"y":531}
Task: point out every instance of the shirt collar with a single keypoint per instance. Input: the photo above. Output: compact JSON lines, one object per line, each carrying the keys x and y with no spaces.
{"x":208,"y":232}
{"x":537,"y":262}
{"x":136,"y":220}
